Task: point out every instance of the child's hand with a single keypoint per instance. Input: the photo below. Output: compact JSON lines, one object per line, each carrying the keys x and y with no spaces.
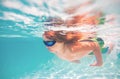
{"x":96,"y":64}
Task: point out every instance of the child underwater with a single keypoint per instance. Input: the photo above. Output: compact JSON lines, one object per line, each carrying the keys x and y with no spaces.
{"x":73,"y":45}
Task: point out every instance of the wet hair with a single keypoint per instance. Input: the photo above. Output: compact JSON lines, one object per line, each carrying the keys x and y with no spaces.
{"x":59,"y":36}
{"x":71,"y":38}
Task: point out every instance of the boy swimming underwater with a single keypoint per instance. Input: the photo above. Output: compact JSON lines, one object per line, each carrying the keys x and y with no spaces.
{"x":70,"y":47}
{"x":74,"y":45}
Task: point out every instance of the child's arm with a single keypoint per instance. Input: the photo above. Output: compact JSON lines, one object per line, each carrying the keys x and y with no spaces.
{"x":98,"y":56}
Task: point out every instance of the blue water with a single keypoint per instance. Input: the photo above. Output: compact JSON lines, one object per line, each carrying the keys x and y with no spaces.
{"x":27,"y":58}
{"x":24,"y":56}
{"x":19,"y":56}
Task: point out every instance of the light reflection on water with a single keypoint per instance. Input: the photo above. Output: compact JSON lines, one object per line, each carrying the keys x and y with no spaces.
{"x":58,"y":69}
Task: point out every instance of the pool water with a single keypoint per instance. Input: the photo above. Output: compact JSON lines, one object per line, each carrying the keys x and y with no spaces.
{"x":19,"y":56}
{"x":27,"y":58}
{"x":24,"y":56}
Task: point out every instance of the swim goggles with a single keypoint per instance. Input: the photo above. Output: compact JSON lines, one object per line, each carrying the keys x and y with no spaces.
{"x":49,"y":43}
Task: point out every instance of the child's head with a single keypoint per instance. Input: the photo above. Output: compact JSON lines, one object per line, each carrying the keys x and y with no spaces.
{"x":56,"y":39}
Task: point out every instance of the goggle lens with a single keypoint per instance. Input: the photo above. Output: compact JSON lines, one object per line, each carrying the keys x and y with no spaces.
{"x":49,"y":43}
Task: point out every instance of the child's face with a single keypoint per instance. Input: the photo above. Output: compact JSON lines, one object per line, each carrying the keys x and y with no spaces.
{"x":52,"y":45}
